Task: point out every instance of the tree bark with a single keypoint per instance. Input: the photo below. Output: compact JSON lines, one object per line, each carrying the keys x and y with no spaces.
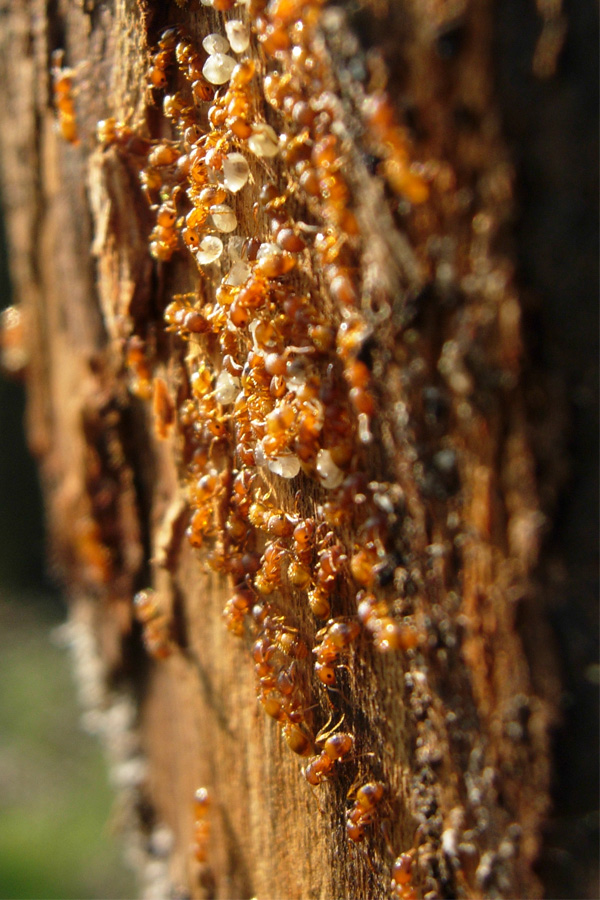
{"x":467,"y":443}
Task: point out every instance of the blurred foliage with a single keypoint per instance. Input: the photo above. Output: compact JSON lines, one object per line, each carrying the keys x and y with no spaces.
{"x":55,"y":835}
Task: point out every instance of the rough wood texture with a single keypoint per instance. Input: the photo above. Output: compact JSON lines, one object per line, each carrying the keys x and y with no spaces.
{"x":458,"y":728}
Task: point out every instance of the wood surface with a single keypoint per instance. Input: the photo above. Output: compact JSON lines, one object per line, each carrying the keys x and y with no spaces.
{"x":457,"y":728}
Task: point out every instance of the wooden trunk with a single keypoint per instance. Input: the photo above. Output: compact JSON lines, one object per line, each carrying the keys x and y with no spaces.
{"x":440,"y":477}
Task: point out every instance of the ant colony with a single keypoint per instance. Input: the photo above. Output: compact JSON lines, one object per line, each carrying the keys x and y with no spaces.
{"x":276,"y":388}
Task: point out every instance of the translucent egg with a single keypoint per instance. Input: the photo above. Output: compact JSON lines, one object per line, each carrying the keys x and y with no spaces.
{"x":226,"y":388}
{"x":259,"y":455}
{"x":286,"y":466}
{"x":331,"y":476}
{"x":236,"y":172}
{"x":218,"y":68}
{"x":263,"y":141}
{"x":215,"y":43}
{"x":235,"y":245}
{"x":224,"y":218}
{"x":238,"y":274}
{"x":238,"y":34}
{"x":210,"y":249}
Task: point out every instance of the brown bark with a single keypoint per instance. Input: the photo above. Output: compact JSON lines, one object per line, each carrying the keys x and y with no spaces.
{"x":458,"y":728}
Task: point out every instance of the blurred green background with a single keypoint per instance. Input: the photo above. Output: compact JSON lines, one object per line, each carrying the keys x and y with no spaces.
{"x":58,"y":835}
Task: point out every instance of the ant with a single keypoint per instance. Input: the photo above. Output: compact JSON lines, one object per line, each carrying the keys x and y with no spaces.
{"x":62,"y":86}
{"x":364,"y":810}
{"x":402,"y":877}
{"x":335,"y":637}
{"x":157,"y":636}
{"x":336,"y":745}
{"x":202,"y":804}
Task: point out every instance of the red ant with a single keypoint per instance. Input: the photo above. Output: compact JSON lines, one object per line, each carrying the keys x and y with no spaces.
{"x":402,"y":877}
{"x":336,"y":745}
{"x":363,"y":811}
{"x":202,"y":804}
{"x":332,"y":640}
